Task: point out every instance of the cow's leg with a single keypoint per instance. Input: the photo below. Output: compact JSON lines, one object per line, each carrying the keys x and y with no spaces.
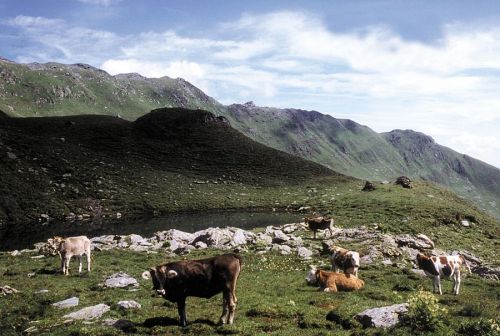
{"x":88,"y":260}
{"x":225,"y":307}
{"x":181,"y":308}
{"x":232,"y":309}
{"x":456,"y":282}
{"x":63,"y":265}
{"x":67,"y":259}
{"x":437,"y":284}
{"x":314,"y":234}
{"x":79,"y":264}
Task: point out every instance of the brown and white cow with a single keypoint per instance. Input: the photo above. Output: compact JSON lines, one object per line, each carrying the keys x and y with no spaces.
{"x":442,"y":266}
{"x":204,"y":278}
{"x":347,"y":261}
{"x":333,"y":281}
{"x":71,"y":246}
{"x":319,"y":223}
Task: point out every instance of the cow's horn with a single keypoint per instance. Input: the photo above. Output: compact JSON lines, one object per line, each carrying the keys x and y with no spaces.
{"x":171,"y":274}
{"x":146,"y":275}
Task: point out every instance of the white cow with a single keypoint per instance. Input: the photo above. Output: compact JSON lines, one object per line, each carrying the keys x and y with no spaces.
{"x":71,"y":246}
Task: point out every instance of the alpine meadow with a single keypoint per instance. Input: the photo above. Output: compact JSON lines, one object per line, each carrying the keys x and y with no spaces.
{"x":196,"y":168}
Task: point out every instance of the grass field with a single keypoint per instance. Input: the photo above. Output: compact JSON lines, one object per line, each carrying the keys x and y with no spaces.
{"x":273,"y":299}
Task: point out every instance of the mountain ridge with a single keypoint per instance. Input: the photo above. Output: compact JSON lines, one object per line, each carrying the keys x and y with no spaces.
{"x":343,"y":145}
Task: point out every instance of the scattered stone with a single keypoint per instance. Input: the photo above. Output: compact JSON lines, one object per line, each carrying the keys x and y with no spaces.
{"x":465,"y":223}
{"x":404,"y":181}
{"x":304,"y":253}
{"x":304,"y":209}
{"x":7,"y":290}
{"x":382,"y":317}
{"x":239,"y":237}
{"x":89,"y":313}
{"x":11,"y":156}
{"x":68,"y":303}
{"x":282,"y":249}
{"x":420,"y":242}
{"x":124,"y":325}
{"x":42,"y":291}
{"x":368,"y":186}
{"x":129,"y":304}
{"x":120,"y":280}
{"x":15,"y":253}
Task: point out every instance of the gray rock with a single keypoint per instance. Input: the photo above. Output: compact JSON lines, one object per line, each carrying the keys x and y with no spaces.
{"x":42,"y":291}
{"x":239,"y":237}
{"x":382,"y":317}
{"x":214,"y":237}
{"x":304,"y":253}
{"x":134,"y":239}
{"x":418,"y":272}
{"x":420,"y":242}
{"x":200,"y":245}
{"x":7,"y":290}
{"x":125,"y":325}
{"x":264,"y":239}
{"x":89,"y":313}
{"x":11,"y":156}
{"x":279,"y":237}
{"x":68,"y":303}
{"x":129,"y":304}
{"x":282,"y":249}
{"x":120,"y":280}
{"x":465,"y":223}
{"x":15,"y":253}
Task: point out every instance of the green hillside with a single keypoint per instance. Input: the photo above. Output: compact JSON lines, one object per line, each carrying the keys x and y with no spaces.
{"x":53,"y":89}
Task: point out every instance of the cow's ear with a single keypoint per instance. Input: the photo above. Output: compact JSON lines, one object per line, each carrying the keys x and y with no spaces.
{"x":171,"y":274}
{"x":148,"y":274}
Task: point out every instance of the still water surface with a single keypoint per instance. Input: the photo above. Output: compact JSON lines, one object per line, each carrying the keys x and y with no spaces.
{"x":26,"y":235}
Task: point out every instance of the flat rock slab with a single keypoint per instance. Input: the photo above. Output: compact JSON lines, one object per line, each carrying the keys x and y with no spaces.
{"x":120,"y":280}
{"x":382,"y":317}
{"x":129,"y":304}
{"x":68,"y":303}
{"x":89,"y":313}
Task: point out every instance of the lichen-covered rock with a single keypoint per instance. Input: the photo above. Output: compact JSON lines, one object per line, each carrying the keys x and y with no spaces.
{"x":382,"y":317}
{"x":420,"y":242}
{"x":129,"y":304}
{"x":304,"y":253}
{"x":68,"y":303}
{"x":89,"y":313}
{"x":120,"y":280}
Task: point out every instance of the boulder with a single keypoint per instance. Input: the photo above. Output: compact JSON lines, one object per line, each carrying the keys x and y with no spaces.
{"x":68,"y":303}
{"x":404,"y":181}
{"x":129,"y":304}
{"x":282,"y":249}
{"x":134,"y":239}
{"x":125,"y":325}
{"x":420,"y":242}
{"x":382,"y":317}
{"x":120,"y":280}
{"x":214,"y":237}
{"x":368,"y":186}
{"x":304,"y":253}
{"x":89,"y":313}
{"x":7,"y":290}
{"x":239,"y":237}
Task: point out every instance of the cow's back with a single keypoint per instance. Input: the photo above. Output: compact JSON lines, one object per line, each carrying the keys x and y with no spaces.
{"x":76,"y":245}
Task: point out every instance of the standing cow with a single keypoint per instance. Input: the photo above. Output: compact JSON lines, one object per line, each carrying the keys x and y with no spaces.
{"x":442,"y":266}
{"x":319,"y":223}
{"x":204,"y":278}
{"x":69,"y":247}
{"x":347,"y":261}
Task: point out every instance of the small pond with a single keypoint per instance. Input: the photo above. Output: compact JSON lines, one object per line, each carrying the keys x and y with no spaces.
{"x":24,"y":236}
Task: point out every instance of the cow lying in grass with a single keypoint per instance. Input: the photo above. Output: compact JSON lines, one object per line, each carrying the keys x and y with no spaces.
{"x":68,"y":247}
{"x":319,"y":223}
{"x":442,"y":266}
{"x":347,"y":261}
{"x":204,"y":278}
{"x":332,"y":281}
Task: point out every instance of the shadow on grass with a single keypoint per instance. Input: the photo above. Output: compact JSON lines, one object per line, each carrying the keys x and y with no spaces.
{"x":168,"y":321}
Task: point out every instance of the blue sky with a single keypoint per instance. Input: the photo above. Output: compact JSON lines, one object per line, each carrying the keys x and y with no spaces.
{"x":431,"y":66}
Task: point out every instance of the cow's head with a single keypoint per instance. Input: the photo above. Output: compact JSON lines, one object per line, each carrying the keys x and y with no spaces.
{"x":351,"y":262}
{"x":311,"y":278}
{"x":160,"y":275}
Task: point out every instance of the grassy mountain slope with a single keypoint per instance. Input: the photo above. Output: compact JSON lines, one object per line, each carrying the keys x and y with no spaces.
{"x":55,"y":90}
{"x":178,"y":160}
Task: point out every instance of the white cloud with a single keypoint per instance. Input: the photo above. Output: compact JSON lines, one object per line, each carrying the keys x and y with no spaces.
{"x":105,"y":3}
{"x":447,"y":88}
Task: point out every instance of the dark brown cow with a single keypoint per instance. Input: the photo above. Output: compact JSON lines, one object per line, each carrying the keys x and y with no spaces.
{"x":204,"y":278}
{"x":319,"y":223}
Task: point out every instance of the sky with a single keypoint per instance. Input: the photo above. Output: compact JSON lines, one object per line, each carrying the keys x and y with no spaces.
{"x":430,"y":66}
